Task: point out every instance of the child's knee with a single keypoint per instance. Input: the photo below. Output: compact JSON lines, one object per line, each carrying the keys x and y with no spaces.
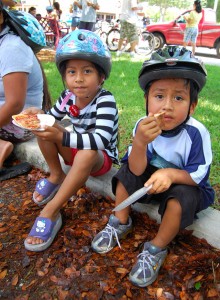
{"x":174,"y":205}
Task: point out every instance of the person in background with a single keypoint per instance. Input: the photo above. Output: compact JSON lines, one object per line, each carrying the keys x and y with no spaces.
{"x":58,"y":11}
{"x":90,"y":147}
{"x":170,"y":154}
{"x":128,"y":20}
{"x":22,"y":84}
{"x":192,"y":21}
{"x":76,"y":15}
{"x":51,"y":13}
{"x":88,"y":18}
{"x":32,"y":10}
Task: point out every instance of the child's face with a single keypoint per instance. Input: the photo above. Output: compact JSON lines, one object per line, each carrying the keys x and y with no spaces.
{"x":171,"y":96}
{"x":82,"y":79}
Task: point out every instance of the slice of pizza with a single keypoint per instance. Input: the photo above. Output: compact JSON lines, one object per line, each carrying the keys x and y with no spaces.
{"x":159,"y":118}
{"x":30,"y":122}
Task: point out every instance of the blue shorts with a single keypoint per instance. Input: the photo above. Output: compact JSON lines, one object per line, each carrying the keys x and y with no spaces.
{"x":190,"y":34}
{"x":75,"y":21}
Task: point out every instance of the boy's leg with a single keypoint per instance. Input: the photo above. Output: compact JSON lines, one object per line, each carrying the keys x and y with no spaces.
{"x":124,"y":183}
{"x":146,"y":269}
{"x":85,"y":162}
{"x":118,"y":227}
{"x":170,"y":224}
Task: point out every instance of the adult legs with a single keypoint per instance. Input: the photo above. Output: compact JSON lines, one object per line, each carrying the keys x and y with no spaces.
{"x":6,"y":149}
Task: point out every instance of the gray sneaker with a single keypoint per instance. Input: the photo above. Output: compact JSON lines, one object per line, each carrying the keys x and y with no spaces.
{"x":109,"y":237}
{"x":146,"y":269}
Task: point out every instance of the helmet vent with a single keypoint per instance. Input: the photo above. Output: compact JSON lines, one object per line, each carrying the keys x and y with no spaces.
{"x":81,"y":37}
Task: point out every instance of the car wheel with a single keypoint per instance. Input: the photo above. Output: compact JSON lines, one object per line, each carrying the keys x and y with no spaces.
{"x":218,"y":50}
{"x":159,"y":41}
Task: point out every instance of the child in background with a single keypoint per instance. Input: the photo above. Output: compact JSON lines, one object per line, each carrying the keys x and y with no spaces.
{"x":84,"y":63}
{"x":172,"y":153}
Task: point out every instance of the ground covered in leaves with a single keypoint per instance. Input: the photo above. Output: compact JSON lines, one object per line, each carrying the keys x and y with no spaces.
{"x":69,"y":269}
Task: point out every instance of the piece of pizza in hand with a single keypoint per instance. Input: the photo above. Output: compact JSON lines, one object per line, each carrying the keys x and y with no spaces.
{"x":159,"y":118}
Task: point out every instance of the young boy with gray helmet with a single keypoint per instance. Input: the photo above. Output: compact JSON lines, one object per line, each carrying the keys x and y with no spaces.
{"x":84,"y":63}
{"x":171,"y":154}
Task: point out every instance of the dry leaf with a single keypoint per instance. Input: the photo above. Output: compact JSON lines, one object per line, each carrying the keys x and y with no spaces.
{"x":3,"y":274}
{"x":14,"y":280}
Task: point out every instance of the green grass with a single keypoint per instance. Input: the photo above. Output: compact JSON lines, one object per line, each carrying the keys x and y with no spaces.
{"x":123,"y":83}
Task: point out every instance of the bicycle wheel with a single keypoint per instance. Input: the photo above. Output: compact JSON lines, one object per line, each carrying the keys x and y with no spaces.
{"x":146,"y":43}
{"x":112,"y":39}
{"x":103,"y":36}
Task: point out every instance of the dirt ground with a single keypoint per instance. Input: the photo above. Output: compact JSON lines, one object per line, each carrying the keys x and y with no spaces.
{"x":69,"y":269}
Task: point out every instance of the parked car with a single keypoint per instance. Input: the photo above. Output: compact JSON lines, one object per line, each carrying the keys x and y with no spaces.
{"x":171,"y":33}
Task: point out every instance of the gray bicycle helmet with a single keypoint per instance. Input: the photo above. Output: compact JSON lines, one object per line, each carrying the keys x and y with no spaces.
{"x":84,"y":44}
{"x":172,"y":62}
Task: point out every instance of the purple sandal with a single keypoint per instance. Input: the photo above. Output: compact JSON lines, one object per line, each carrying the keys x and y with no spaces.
{"x":46,"y":230}
{"x":46,"y":189}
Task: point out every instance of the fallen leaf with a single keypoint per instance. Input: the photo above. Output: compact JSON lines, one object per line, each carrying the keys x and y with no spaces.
{"x":212,"y":293}
{"x":122,"y":271}
{"x":14,"y":280}
{"x":3,"y":274}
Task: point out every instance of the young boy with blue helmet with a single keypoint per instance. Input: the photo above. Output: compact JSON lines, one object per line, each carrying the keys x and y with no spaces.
{"x":171,"y":153}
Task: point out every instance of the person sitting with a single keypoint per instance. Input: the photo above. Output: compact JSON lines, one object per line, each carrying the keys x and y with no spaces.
{"x":20,"y":68}
{"x":91,"y":147}
{"x":170,"y":155}
{"x":32,"y":10}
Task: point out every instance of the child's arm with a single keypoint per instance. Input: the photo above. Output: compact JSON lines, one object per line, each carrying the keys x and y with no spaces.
{"x":162,"y":179}
{"x":148,"y":129}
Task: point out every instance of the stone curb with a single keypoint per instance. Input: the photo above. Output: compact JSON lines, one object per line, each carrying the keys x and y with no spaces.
{"x":206,"y":226}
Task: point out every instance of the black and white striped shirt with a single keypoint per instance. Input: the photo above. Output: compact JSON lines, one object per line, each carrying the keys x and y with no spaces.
{"x":95,"y":128}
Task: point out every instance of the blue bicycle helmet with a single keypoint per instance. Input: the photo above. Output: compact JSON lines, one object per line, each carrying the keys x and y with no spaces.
{"x":172,"y":62}
{"x":84,"y":44}
{"x":27,"y":27}
{"x":49,"y":9}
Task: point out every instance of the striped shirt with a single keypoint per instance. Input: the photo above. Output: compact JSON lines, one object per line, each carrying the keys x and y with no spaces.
{"x":95,"y":128}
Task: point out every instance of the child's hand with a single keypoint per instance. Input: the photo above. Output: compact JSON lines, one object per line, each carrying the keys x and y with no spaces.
{"x":32,"y":111}
{"x":148,"y":129}
{"x":160,"y":180}
{"x":51,"y":134}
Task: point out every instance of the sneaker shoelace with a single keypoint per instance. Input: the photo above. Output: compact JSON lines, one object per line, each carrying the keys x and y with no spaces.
{"x":146,"y":259}
{"x":111,"y":231}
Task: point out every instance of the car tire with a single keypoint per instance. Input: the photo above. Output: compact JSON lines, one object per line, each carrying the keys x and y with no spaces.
{"x":159,"y":40}
{"x":218,"y":50}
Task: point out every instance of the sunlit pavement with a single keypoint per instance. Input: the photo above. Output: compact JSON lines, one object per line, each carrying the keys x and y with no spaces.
{"x":208,"y":56}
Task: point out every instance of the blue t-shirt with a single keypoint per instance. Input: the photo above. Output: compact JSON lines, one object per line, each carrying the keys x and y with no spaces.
{"x":187,"y":149}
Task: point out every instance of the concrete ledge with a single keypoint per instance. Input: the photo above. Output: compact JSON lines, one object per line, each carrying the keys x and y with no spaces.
{"x":206,"y":226}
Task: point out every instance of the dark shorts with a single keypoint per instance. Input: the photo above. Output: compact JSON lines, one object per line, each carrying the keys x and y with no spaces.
{"x":189,"y":197}
{"x":75,"y":21}
{"x":87,"y":25}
